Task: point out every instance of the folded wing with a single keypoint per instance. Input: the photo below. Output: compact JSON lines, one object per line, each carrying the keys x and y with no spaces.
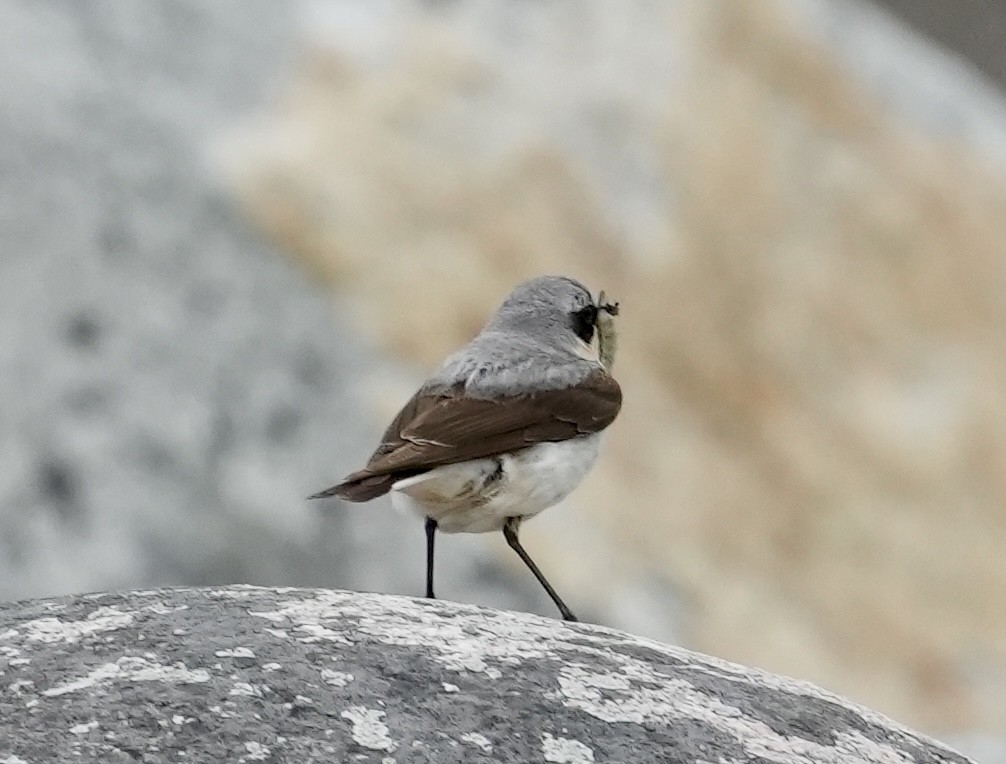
{"x":446,"y":428}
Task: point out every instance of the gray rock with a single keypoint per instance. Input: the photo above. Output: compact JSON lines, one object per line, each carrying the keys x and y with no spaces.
{"x":250,"y":674}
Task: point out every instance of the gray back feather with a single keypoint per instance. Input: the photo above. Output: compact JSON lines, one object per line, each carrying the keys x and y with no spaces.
{"x":528,"y":344}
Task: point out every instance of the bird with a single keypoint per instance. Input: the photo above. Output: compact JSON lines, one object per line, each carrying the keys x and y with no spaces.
{"x":507,"y":426}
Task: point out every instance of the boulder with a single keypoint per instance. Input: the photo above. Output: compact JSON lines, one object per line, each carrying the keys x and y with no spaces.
{"x":259,"y":674}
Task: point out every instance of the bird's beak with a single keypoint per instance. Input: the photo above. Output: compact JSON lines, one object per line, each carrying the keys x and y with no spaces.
{"x":610,"y":308}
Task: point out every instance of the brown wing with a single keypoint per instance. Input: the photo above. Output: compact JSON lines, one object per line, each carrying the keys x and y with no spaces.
{"x":432,"y":430}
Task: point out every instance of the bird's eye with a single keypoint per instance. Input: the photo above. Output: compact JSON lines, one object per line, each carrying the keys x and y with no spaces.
{"x":583,"y":322}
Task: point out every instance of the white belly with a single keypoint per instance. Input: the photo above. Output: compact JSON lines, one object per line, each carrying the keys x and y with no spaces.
{"x":478,"y":496}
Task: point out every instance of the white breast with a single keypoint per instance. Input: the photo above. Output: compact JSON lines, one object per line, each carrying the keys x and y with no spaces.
{"x":478,"y":496}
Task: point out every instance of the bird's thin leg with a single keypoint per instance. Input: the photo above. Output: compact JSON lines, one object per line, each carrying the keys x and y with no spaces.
{"x":510,"y":533}
{"x":431,"y":531}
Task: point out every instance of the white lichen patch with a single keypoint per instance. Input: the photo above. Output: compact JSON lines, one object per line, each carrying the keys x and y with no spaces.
{"x":159,"y":608}
{"x":51,"y":629}
{"x":147,"y":592}
{"x":307,"y":620}
{"x":248,"y":689}
{"x":368,"y":729}
{"x":634,"y":693}
{"x":256,"y":752}
{"x":336,"y":678}
{"x":720,"y":668}
{"x":864,"y":749}
{"x":241,"y":592}
{"x":564,"y":751}
{"x":133,"y":670}
{"x":17,"y":687}
{"x":314,"y":632}
{"x":500,"y":638}
{"x":237,"y":652}
{"x":481,"y":741}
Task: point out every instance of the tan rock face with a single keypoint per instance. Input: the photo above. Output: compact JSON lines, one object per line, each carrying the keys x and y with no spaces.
{"x":813,"y":442}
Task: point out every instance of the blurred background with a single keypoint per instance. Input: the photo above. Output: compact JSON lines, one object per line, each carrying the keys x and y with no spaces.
{"x":236,"y":235}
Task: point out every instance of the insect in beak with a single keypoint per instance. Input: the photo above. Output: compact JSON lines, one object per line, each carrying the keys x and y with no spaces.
{"x":610,"y":308}
{"x":607,"y":339}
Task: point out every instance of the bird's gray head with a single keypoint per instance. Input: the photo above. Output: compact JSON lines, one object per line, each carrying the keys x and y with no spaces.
{"x":548,"y":307}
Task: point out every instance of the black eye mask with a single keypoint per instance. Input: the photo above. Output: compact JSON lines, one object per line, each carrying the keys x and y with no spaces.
{"x":583,"y":322}
{"x":585,"y":319}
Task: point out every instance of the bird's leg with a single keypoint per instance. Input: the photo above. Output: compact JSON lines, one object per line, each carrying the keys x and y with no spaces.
{"x":510,"y":533}
{"x":431,"y":530}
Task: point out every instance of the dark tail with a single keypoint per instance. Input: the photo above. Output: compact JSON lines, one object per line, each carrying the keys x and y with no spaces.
{"x":360,"y":486}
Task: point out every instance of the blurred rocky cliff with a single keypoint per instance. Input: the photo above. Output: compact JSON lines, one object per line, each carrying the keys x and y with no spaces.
{"x":800,"y":205}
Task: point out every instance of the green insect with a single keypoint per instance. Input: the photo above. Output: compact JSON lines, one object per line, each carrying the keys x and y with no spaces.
{"x":607,"y":338}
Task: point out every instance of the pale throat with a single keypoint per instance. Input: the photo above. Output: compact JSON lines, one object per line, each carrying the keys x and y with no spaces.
{"x":588,"y":350}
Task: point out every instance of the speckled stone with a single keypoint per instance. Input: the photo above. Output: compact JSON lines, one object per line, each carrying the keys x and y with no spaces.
{"x":275,"y":675}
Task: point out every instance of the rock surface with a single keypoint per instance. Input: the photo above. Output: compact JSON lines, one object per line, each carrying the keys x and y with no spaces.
{"x":249,"y":674}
